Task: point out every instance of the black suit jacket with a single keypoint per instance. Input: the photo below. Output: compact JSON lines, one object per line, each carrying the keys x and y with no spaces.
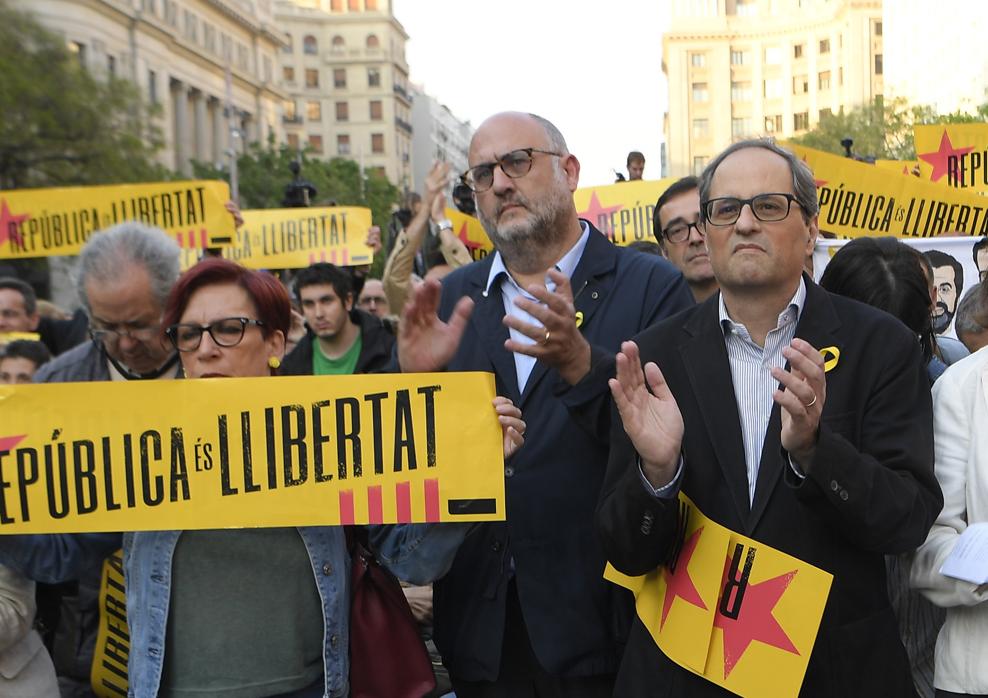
{"x":577,"y":622}
{"x":871,"y":489}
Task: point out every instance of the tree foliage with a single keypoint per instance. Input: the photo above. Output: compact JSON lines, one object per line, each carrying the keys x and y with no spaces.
{"x":60,"y":125}
{"x":882,"y":129}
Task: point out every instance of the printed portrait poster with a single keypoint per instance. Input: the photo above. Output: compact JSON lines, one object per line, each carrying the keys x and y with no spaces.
{"x":959,"y":263}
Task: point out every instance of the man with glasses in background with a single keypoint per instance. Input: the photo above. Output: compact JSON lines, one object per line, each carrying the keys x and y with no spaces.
{"x":676,"y":225}
{"x":124,"y":276}
{"x":831,"y":463}
{"x":524,"y":611}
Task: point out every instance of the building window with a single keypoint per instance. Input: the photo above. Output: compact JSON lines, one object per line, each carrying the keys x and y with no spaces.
{"x":111,"y":66}
{"x":825,"y":114}
{"x":824,"y":45}
{"x":292,"y":139}
{"x":313,"y":111}
{"x":878,"y":28}
{"x":797,"y":51}
{"x":373,"y":77}
{"x":773,"y":55}
{"x":739,"y":58}
{"x":701,"y":128}
{"x":773,"y":124}
{"x":699,"y":162}
{"x":343,"y":144}
{"x":801,"y":121}
{"x":316,"y":142}
{"x":740,"y":127}
{"x":339,"y":78}
{"x":288,"y":74}
{"x":741,"y":91}
{"x":288,"y":47}
{"x":698,"y":60}
{"x":746,"y":8}
{"x":373,"y":42}
{"x":823,"y":80}
{"x":209,"y":37}
{"x":289,"y":107}
{"x":338,"y":43}
{"x":700,"y":92}
{"x":312,"y":77}
{"x":152,"y":87}
{"x":377,"y":142}
{"x":342,"y":111}
{"x":378,"y":172}
{"x":878,"y":64}
{"x":376,"y":110}
{"x":800,"y":84}
{"x":79,"y":51}
{"x":773,"y":88}
{"x":310,"y":46}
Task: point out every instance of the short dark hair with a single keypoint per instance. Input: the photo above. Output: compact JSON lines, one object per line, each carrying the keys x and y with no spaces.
{"x":942,"y":259}
{"x":24,"y":288}
{"x":646,"y":246}
{"x":266,"y":293}
{"x":31,"y":350}
{"x":978,"y":246}
{"x":675,"y":189}
{"x":803,"y":184}
{"x":323,"y":273}
{"x":886,"y":274}
{"x":635,"y":156}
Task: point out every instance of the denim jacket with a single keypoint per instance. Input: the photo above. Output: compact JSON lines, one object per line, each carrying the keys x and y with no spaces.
{"x":416,"y":553}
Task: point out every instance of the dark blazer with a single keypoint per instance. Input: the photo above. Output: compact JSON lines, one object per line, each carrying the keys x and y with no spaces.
{"x":577,"y":622}
{"x":871,"y":490}
{"x":376,"y":338}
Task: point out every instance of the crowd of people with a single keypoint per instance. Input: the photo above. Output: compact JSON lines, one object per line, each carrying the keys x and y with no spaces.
{"x":624,"y":380}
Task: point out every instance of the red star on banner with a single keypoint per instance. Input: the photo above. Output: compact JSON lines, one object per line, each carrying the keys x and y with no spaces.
{"x":755,"y":620}
{"x":470,"y":244}
{"x":679,"y":583}
{"x":8,"y":223}
{"x":594,"y":210}
{"x":7,"y":443}
{"x":938,"y":158}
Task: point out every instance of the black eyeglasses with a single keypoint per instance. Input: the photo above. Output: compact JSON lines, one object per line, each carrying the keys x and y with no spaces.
{"x":228,"y":332}
{"x":765,"y":207}
{"x":680,"y":232}
{"x":515,"y":164}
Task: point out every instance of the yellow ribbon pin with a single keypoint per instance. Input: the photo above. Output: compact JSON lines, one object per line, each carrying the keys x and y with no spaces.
{"x":834,"y":356}
{"x":579,"y":318}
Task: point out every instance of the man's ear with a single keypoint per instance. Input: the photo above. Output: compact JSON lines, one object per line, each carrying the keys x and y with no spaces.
{"x":34,"y":321}
{"x":348,"y":302}
{"x":571,"y":166}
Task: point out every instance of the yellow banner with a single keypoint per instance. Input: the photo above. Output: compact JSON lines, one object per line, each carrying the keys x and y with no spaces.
{"x":471,"y":234}
{"x":46,"y":222}
{"x":622,"y":211}
{"x":292,"y":238}
{"x":8,"y":337}
{"x":954,"y":154}
{"x":859,"y":200}
{"x":739,"y":613}
{"x":905,"y":167}
{"x":238,"y":452}
{"x":108,"y":674}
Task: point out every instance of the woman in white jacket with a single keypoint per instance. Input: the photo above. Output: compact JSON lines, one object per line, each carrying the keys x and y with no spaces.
{"x":26,"y":670}
{"x":960,"y":416}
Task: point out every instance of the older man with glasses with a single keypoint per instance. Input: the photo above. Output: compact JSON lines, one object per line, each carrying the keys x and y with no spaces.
{"x":524,"y":611}
{"x":831,"y":463}
{"x":676,"y":224}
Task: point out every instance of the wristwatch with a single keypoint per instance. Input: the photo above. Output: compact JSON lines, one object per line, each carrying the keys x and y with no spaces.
{"x":444,"y":224}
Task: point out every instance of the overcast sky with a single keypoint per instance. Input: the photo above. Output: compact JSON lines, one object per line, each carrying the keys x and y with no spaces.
{"x":592,"y":68}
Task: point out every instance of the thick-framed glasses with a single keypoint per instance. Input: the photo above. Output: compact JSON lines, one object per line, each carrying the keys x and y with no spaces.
{"x":680,"y":232}
{"x":228,"y":332}
{"x":112,"y":335}
{"x":767,"y":208}
{"x":515,"y":164}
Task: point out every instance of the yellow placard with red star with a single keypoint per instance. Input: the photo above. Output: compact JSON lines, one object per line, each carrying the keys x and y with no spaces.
{"x":292,"y":238}
{"x":471,"y":234}
{"x":860,"y":200}
{"x":622,"y":211}
{"x":954,"y":154}
{"x":758,"y":608}
{"x":905,"y":167}
{"x":58,"y":221}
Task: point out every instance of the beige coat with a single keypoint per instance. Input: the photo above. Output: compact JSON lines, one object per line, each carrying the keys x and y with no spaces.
{"x":26,"y":670}
{"x":960,"y":419}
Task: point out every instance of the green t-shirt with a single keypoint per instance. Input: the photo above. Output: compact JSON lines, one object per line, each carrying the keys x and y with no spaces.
{"x":322,"y":365}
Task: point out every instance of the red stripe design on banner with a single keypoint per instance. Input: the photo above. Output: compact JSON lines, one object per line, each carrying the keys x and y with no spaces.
{"x":403,"y":494}
{"x":375,"y":509}
{"x":346,"y":507}
{"x":431,"y":487}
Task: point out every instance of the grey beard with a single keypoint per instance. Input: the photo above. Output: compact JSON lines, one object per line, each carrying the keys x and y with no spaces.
{"x":524,"y":250}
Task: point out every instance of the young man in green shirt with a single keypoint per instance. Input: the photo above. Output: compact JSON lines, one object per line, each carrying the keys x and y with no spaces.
{"x":341,"y":340}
